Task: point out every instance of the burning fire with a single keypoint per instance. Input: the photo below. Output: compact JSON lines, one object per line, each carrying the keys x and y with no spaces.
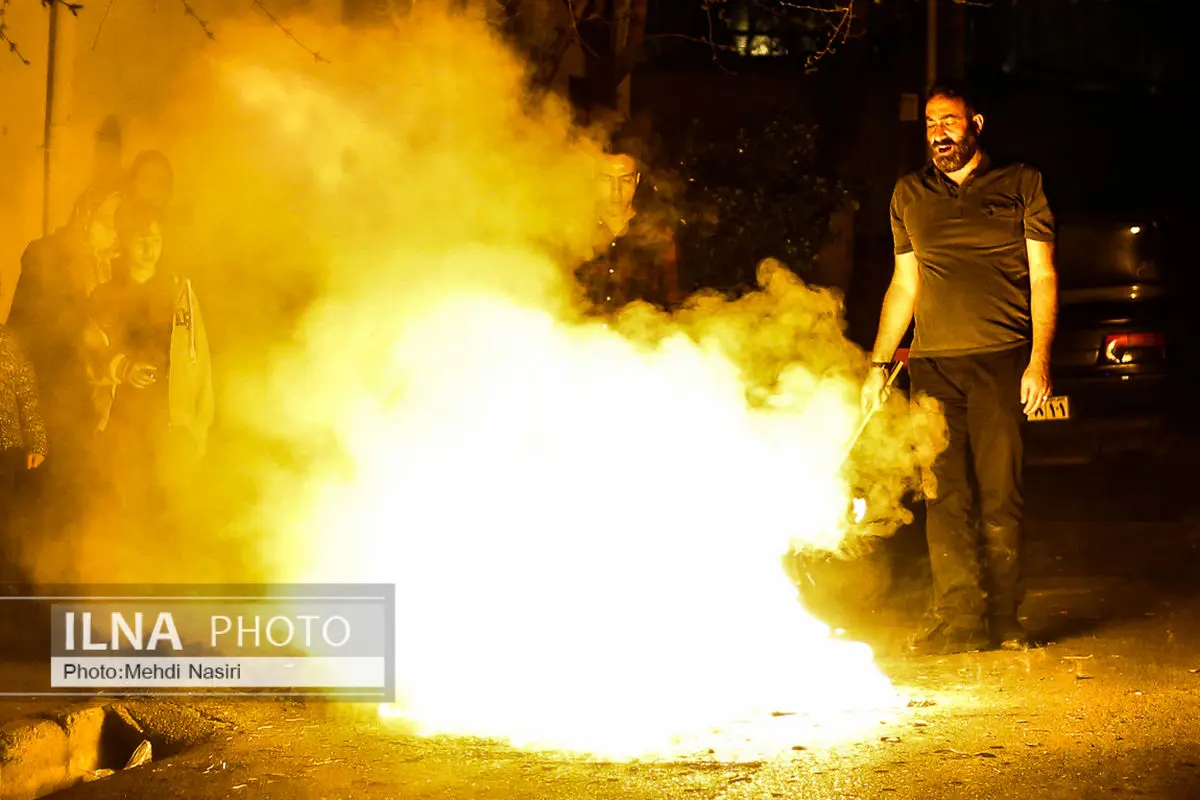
{"x":584,"y":521}
{"x":585,"y":530}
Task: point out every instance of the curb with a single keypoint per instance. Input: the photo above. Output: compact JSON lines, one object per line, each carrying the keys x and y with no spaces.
{"x":47,"y":753}
{"x":50,"y":752}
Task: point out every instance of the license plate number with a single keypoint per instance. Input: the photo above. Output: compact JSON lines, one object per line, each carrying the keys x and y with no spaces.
{"x":1054,"y":408}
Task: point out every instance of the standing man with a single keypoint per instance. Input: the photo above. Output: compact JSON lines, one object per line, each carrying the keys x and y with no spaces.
{"x":634,"y":254}
{"x":974,"y":244}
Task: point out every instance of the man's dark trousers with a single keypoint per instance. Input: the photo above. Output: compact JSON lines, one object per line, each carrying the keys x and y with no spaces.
{"x":976,"y":568}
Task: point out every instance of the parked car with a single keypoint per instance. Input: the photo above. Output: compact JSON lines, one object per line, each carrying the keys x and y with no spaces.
{"x":1112,"y":356}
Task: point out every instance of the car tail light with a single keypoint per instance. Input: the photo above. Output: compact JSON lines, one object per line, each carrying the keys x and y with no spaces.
{"x":1130,"y":348}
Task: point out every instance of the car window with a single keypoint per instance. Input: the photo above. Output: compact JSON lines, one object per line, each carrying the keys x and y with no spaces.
{"x":1100,"y":253}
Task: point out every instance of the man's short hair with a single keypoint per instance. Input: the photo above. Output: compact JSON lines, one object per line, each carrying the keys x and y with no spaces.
{"x":954,"y":90}
{"x":627,"y":148}
{"x":133,"y":218}
{"x":627,"y":141}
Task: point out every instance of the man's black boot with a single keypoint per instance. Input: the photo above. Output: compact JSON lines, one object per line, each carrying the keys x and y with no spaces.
{"x":943,"y":638}
{"x":1007,"y":633}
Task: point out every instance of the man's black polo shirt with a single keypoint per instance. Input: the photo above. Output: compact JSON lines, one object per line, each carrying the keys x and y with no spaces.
{"x":970,"y":245}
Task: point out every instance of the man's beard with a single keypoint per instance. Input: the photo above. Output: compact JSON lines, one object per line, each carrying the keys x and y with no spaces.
{"x":960,"y":152}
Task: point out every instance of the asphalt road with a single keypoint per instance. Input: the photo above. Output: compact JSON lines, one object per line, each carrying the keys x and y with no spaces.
{"x":1102,"y":714}
{"x":1108,"y":708}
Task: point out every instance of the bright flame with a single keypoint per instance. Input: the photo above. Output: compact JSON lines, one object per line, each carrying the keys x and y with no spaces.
{"x":584,"y":522}
{"x":859,"y":506}
{"x":585,"y":532}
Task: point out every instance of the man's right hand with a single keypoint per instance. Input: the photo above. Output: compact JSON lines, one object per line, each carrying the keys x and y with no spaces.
{"x":140,"y":375}
{"x":874,"y":390}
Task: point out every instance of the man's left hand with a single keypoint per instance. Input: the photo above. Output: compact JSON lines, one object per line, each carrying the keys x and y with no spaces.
{"x":1035,"y":385}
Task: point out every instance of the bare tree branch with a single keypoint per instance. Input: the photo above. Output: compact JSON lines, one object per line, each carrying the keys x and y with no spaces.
{"x":4,"y":39}
{"x":100,"y":27}
{"x":548,"y":64}
{"x":585,"y":8}
{"x":712,"y":39}
{"x":837,"y":8}
{"x":191,"y":12}
{"x":74,"y":8}
{"x":838,"y":37}
{"x":835,"y":16}
{"x":188,"y":9}
{"x":266,"y":12}
{"x":288,"y":33}
{"x":7,"y":41}
{"x":697,"y":39}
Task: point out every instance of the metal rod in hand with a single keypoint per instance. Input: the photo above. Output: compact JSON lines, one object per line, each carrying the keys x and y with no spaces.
{"x":893,"y":373}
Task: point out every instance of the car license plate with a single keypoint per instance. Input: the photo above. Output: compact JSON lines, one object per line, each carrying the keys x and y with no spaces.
{"x":1053,"y":408}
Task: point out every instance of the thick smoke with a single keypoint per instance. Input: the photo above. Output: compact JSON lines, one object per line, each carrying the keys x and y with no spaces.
{"x":409,"y":393}
{"x":339,"y":192}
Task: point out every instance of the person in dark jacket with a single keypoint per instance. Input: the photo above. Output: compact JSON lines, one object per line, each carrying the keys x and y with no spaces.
{"x":49,"y":315}
{"x":634,"y":255}
{"x":23,"y":442}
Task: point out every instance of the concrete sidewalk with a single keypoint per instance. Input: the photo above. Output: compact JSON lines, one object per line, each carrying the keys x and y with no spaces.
{"x":51,"y":746}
